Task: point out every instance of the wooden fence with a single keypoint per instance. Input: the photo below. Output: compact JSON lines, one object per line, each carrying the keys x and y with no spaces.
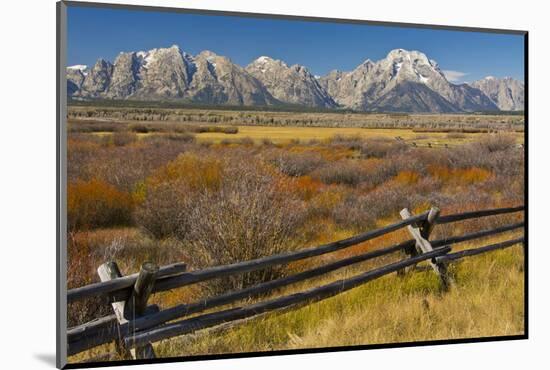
{"x":134,"y":325}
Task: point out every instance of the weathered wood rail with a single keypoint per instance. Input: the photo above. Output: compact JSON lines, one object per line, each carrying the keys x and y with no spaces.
{"x":134,"y":325}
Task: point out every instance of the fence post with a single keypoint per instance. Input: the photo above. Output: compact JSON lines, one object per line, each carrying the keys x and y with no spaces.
{"x":142,"y":290}
{"x":421,"y":234}
{"x":110,"y":271}
{"x":137,"y":303}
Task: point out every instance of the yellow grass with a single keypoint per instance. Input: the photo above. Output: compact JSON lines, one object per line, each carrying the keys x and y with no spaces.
{"x":486,"y":301}
{"x":286,"y":134}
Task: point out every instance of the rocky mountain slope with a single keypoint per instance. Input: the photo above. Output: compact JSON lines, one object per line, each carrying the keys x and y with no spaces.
{"x":404,"y":81}
{"x":294,"y":85}
{"x":169,"y":74}
{"x":506,"y":93}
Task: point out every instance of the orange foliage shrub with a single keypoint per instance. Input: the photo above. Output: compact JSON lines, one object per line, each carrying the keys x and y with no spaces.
{"x":190,"y":169}
{"x":324,"y":202}
{"x":459,"y":175}
{"x":407,"y":177}
{"x":96,"y":203}
{"x":305,"y":187}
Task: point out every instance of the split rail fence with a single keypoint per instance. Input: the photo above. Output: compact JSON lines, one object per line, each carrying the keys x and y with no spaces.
{"x":134,"y":325}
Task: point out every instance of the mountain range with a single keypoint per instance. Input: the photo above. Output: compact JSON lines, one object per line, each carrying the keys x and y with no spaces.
{"x":404,"y":81}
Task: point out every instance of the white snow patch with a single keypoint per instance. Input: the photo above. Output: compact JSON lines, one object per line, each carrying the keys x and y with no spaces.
{"x":317,"y":77}
{"x":263,"y":59}
{"x":80,"y":67}
{"x":147,"y":56}
{"x":397,"y":67}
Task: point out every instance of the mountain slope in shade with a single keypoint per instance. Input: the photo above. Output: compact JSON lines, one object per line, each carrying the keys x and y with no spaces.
{"x":97,"y":79}
{"x":75,"y":78}
{"x":294,"y":84}
{"x":412,"y":97}
{"x":507,"y":93}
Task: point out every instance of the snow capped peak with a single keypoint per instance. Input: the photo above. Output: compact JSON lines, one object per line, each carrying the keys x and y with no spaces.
{"x":397,"y":53}
{"x":265,"y":63}
{"x":79,"y":67}
{"x":263,"y":59}
{"x":82,"y":68}
{"x":490,"y":78}
{"x":412,"y":56}
{"x":147,"y":57}
{"x":367,"y":63}
{"x":268,"y":60}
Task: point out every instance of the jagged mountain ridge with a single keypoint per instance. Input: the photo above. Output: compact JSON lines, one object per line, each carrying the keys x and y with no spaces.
{"x":404,"y":81}
{"x":506,"y":93}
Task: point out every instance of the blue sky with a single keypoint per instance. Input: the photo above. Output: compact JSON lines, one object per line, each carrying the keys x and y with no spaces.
{"x":95,"y":33}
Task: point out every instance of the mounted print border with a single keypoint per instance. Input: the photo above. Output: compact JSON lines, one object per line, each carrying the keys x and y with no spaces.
{"x":331,"y":175}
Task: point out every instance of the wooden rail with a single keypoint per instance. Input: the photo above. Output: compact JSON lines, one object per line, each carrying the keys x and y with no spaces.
{"x":308,"y":296}
{"x":134,"y":325}
{"x":120,"y":288}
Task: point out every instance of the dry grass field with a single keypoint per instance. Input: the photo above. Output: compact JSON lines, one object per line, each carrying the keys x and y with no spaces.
{"x":172,"y":190}
{"x":285,"y":135}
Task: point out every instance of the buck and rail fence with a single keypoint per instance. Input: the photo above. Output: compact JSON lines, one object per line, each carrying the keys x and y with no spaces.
{"x":134,"y":325}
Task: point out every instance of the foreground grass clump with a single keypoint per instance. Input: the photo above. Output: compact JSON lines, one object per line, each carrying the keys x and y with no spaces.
{"x":487,"y":301}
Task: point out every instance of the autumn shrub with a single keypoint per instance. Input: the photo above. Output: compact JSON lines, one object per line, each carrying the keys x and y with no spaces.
{"x":354,"y":142}
{"x":93,"y":126}
{"x":296,"y":164}
{"x":230,"y":130}
{"x":122,"y":166}
{"x":164,"y":208}
{"x":381,"y":148}
{"x":81,"y":270}
{"x":459,"y":175}
{"x":363,"y":211}
{"x":183,"y":137}
{"x":195,"y":171}
{"x":128,"y":247}
{"x":347,"y":172}
{"x":324,"y":202}
{"x":96,"y":203}
{"x":496,"y":142}
{"x":140,"y":128}
{"x":169,"y":192}
{"x":267,"y":142}
{"x":407,"y":177}
{"x":246,"y":218}
{"x":121,"y":138}
{"x":305,"y":187}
